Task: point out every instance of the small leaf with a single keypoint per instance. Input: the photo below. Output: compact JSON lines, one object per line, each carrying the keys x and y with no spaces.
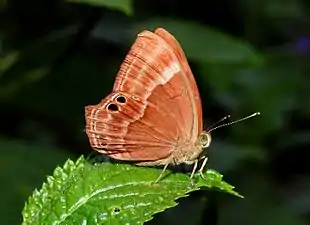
{"x":105,"y":193}
{"x":206,"y":44}
{"x":123,"y":5}
{"x":7,"y":61}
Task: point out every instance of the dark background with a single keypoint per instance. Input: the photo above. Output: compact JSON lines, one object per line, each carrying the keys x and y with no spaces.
{"x":57,"y":57}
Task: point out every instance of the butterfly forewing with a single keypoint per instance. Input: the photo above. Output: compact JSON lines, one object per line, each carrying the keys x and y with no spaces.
{"x":173,"y":43}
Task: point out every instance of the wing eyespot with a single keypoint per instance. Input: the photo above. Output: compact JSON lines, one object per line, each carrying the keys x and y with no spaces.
{"x":121,"y":99}
{"x":112,"y":107}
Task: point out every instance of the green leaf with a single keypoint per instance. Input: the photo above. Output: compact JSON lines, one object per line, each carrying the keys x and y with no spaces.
{"x":123,"y":5}
{"x":205,"y":44}
{"x":105,"y":193}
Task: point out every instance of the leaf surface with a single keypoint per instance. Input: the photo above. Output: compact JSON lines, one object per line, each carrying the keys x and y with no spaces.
{"x":105,"y":193}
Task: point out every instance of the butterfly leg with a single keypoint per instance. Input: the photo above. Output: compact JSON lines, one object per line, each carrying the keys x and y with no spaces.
{"x":194,"y":169}
{"x":200,"y":171}
{"x":162,"y":173}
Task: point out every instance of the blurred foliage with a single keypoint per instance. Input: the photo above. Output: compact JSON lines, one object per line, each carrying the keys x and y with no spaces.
{"x":58,"y":56}
{"x":122,"y":5}
{"x":24,"y":167}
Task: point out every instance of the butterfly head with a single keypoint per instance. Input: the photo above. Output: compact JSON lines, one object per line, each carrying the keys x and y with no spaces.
{"x":205,"y":139}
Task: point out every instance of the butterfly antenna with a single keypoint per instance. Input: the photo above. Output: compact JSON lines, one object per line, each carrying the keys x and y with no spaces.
{"x":236,"y":121}
{"x":216,"y":123}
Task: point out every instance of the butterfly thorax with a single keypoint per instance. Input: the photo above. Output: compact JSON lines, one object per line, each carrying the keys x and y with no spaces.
{"x":187,"y":152}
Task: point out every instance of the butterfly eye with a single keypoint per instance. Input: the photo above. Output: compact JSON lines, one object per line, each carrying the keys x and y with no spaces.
{"x":121,"y":99}
{"x":112,"y":107}
{"x":205,"y":139}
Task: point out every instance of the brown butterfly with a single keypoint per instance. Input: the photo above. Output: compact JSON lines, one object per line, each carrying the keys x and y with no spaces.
{"x":153,"y":116}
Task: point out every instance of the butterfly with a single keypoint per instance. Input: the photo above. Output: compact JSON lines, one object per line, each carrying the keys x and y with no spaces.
{"x":153,"y":116}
